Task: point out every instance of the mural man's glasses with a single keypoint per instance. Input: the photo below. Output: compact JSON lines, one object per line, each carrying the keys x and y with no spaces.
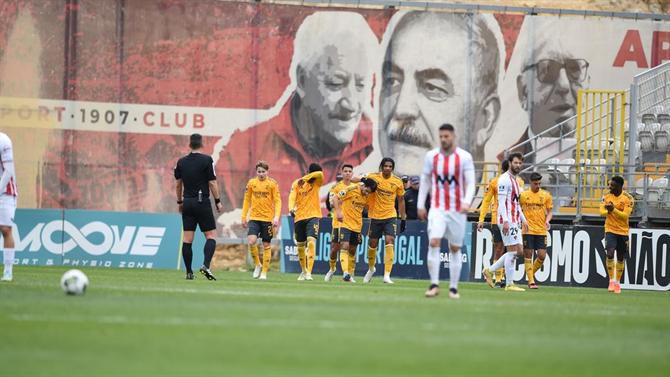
{"x":548,"y":70}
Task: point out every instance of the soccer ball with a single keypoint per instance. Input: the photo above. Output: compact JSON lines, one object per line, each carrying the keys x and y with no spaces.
{"x":74,"y":282}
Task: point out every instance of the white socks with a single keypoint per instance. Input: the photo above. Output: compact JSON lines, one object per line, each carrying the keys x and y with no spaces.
{"x":510,"y":259}
{"x":499,"y":263}
{"x":455,"y":264}
{"x":434,"y":265}
{"x":8,"y":260}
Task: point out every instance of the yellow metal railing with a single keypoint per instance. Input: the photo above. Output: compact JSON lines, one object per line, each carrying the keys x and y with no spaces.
{"x":599,"y":151}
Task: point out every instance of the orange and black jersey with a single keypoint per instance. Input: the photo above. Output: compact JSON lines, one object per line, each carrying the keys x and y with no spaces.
{"x":535,"y":206}
{"x":382,"y":201}
{"x":352,"y":203}
{"x":304,"y":196}
{"x":334,"y":191}
{"x":263,"y":199}
{"x":617,"y":221}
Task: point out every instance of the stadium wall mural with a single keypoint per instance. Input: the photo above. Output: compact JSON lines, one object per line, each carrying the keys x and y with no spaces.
{"x":100,"y":96}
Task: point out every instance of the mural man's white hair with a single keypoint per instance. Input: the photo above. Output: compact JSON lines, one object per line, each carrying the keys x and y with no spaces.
{"x":565,"y":35}
{"x":485,"y":35}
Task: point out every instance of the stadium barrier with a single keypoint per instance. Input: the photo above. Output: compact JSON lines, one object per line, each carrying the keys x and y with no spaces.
{"x":649,"y":97}
{"x":411,"y":249}
{"x":78,"y":238}
{"x":576,"y":257}
{"x":575,"y":254}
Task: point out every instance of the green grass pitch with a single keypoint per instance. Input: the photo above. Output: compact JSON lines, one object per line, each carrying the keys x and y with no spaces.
{"x":154,"y":323}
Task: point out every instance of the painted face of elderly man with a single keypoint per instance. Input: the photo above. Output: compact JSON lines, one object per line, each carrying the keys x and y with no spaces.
{"x":548,"y":83}
{"x":429,"y":78}
{"x":333,"y":78}
{"x":325,"y":112}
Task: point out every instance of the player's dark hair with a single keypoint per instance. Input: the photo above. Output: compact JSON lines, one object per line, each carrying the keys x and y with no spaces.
{"x":195,"y":141}
{"x":618,"y":179}
{"x":514,"y":155}
{"x":370,"y":184}
{"x":504,"y":166}
{"x":350,"y":166}
{"x":262,"y":164}
{"x":535,"y":177}
{"x":314,"y":167}
{"x":385,"y":160}
{"x":447,"y":127}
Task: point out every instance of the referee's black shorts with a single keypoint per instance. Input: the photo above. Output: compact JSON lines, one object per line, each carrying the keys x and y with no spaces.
{"x":197,"y":213}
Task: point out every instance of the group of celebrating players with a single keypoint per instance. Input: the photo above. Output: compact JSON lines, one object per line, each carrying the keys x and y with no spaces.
{"x":448,"y":174}
{"x":520,"y":219}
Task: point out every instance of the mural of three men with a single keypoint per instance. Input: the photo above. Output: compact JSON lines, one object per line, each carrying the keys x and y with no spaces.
{"x":328,"y":86}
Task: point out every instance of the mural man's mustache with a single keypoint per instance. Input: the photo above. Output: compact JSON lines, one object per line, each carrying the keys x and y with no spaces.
{"x":407,"y":132}
{"x":344,"y":115}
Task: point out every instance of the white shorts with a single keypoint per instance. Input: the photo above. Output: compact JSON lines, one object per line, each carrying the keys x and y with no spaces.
{"x":446,"y":224}
{"x":7,"y":210}
{"x":513,"y":237}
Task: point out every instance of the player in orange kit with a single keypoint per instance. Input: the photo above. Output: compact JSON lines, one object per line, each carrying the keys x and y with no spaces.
{"x":262,"y":198}
{"x":616,"y":207}
{"x":536,"y":204}
{"x":305,"y":206}
{"x":349,"y":204}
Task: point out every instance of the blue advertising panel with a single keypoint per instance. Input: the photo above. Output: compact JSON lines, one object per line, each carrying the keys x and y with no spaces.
{"x":81,"y":238}
{"x":34,"y":236}
{"x":411,"y":249}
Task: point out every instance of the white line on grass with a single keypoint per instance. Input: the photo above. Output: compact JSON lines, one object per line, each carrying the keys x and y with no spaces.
{"x":299,"y":294}
{"x":178,"y":321}
{"x":433,"y":332}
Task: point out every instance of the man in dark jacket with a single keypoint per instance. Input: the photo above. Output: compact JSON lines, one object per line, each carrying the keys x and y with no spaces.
{"x":411,"y":197}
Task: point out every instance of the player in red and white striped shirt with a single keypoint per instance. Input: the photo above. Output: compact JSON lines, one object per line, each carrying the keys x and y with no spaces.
{"x":449,"y":174}
{"x":511,"y":222}
{"x":7,"y":203}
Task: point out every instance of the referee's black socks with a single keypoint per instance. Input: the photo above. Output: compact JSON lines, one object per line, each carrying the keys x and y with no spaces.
{"x":210,"y":245}
{"x":187,"y":253}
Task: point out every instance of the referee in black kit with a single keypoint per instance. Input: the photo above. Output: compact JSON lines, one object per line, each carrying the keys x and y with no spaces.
{"x":195,"y":179}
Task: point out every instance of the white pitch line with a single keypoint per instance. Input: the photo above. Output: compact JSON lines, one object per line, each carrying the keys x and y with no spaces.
{"x":178,"y":321}
{"x":432,"y":331}
{"x":320,"y":295}
{"x":480,"y":304}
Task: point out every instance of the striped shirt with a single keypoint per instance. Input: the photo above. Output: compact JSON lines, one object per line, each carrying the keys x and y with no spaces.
{"x":509,"y":192}
{"x":448,"y":178}
{"x":6,"y":160}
